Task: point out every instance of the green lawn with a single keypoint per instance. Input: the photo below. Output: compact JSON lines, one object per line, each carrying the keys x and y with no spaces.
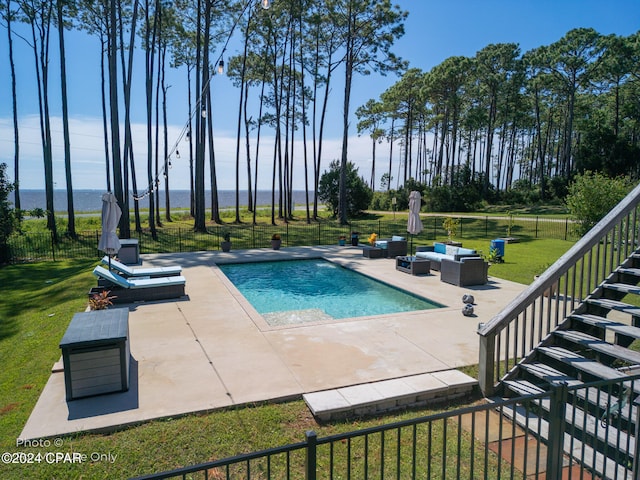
{"x":38,"y":302}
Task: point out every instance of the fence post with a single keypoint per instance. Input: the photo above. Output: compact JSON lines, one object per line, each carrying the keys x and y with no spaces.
{"x":53,"y":247}
{"x":311,"y":463}
{"x":566,"y":227}
{"x":636,"y":457}
{"x":537,"y":218}
{"x":555,"y":450}
{"x":486,"y":225}
{"x":486,"y":365}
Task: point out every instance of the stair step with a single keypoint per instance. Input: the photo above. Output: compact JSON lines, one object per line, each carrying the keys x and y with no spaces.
{"x":583,"y":364}
{"x":604,"y":466}
{"x":629,"y":271}
{"x":605,"y":323}
{"x":600,"y":346}
{"x":622,"y":287}
{"x":597,"y":398}
{"x":614,"y":305}
{"x":549,"y":374}
{"x":577,"y":419}
{"x":523,"y":387}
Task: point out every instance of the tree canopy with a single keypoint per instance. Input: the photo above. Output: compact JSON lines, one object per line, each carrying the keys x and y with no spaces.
{"x":499,"y":120}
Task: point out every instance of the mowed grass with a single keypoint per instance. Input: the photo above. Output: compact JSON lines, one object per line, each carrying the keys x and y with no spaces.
{"x":38,"y":302}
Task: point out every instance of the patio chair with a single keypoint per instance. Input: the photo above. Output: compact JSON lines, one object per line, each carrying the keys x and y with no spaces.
{"x":127,"y":290}
{"x":464,"y":272}
{"x":127,"y":271}
{"x":392,"y":247}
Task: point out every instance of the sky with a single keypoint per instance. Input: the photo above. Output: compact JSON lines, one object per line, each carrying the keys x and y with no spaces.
{"x":434,"y":31}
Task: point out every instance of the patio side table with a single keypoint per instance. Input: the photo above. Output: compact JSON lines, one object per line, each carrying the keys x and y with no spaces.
{"x":372,"y":252}
{"x":413,"y":265}
{"x":95,"y":353}
{"x":129,"y":252}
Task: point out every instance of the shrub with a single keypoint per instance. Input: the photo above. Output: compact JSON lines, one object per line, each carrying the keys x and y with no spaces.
{"x":8,"y":218}
{"x":463,"y":194}
{"x":101,"y":300}
{"x":358,"y":193}
{"x":592,"y":195}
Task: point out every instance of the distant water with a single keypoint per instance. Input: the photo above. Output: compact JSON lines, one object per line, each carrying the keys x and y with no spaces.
{"x":91,"y":200}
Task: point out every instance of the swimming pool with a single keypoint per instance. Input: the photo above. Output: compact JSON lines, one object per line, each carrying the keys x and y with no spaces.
{"x":301,"y":291}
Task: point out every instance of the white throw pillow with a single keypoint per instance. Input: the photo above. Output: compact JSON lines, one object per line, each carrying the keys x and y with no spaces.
{"x":451,"y":250}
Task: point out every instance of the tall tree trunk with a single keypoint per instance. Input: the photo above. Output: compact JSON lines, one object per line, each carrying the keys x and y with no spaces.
{"x":250,"y":204}
{"x":14,"y":103}
{"x":157,"y":130}
{"x":41,"y":54}
{"x":129,"y":161}
{"x":304,"y":123}
{"x":167,"y":201}
{"x":71,"y":217}
{"x":192,"y":200}
{"x":391,"y":140}
{"x":215,"y":205}
{"x":202,"y":67}
{"x":489,"y":146}
{"x":255,"y":189}
{"x":318,"y":162}
{"x":348,"y":76}
{"x":105,"y":128}
{"x":149,"y":69}
{"x":240,"y":111}
{"x":115,"y":122}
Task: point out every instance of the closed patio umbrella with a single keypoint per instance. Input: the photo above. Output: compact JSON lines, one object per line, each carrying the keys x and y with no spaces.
{"x":109,"y":242}
{"x":414,"y":224}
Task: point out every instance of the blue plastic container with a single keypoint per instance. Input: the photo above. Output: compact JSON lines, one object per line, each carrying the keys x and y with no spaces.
{"x":498,"y":245}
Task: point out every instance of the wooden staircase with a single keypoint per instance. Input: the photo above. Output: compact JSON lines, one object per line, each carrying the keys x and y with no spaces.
{"x":595,"y":343}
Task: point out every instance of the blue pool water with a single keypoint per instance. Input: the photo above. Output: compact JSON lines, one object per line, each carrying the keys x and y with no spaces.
{"x":317,"y":289}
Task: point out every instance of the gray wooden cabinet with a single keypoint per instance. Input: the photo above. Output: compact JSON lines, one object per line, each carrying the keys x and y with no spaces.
{"x":95,"y":353}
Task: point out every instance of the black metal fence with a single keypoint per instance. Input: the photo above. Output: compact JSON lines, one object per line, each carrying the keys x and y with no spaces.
{"x":31,"y":247}
{"x":527,"y":437}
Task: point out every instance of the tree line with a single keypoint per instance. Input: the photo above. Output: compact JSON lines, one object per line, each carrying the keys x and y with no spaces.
{"x":507,"y":119}
{"x":496,"y":119}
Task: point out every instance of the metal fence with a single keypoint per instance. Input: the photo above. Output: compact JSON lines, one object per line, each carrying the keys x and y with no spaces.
{"x":464,"y":443}
{"x":29,"y":247}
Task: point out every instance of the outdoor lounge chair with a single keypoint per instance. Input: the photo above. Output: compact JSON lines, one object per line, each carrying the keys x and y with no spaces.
{"x":127,"y":290}
{"x":464,"y":272}
{"x":127,"y":271}
{"x":392,"y":247}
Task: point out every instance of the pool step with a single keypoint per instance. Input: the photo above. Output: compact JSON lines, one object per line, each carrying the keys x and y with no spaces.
{"x":386,"y":395}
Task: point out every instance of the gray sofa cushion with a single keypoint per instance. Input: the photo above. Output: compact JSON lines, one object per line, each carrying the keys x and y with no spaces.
{"x":440,"y":251}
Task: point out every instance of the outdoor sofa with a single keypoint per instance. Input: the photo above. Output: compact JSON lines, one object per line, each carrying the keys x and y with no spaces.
{"x":464,"y":272}
{"x":392,"y":247}
{"x":441,"y":251}
{"x":127,"y":271}
{"x":127,"y":290}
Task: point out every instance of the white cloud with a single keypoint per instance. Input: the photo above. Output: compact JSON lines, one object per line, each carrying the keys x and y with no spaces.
{"x":88,"y":157}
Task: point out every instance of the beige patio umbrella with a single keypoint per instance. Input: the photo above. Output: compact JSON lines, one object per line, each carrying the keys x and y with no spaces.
{"x":109,"y":242}
{"x":414,"y":224}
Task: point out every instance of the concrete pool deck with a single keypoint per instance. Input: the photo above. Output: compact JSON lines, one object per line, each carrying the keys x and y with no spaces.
{"x":211,"y":349}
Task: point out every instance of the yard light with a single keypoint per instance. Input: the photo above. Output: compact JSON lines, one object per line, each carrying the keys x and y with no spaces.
{"x":265,"y":4}
{"x":221,"y":67}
